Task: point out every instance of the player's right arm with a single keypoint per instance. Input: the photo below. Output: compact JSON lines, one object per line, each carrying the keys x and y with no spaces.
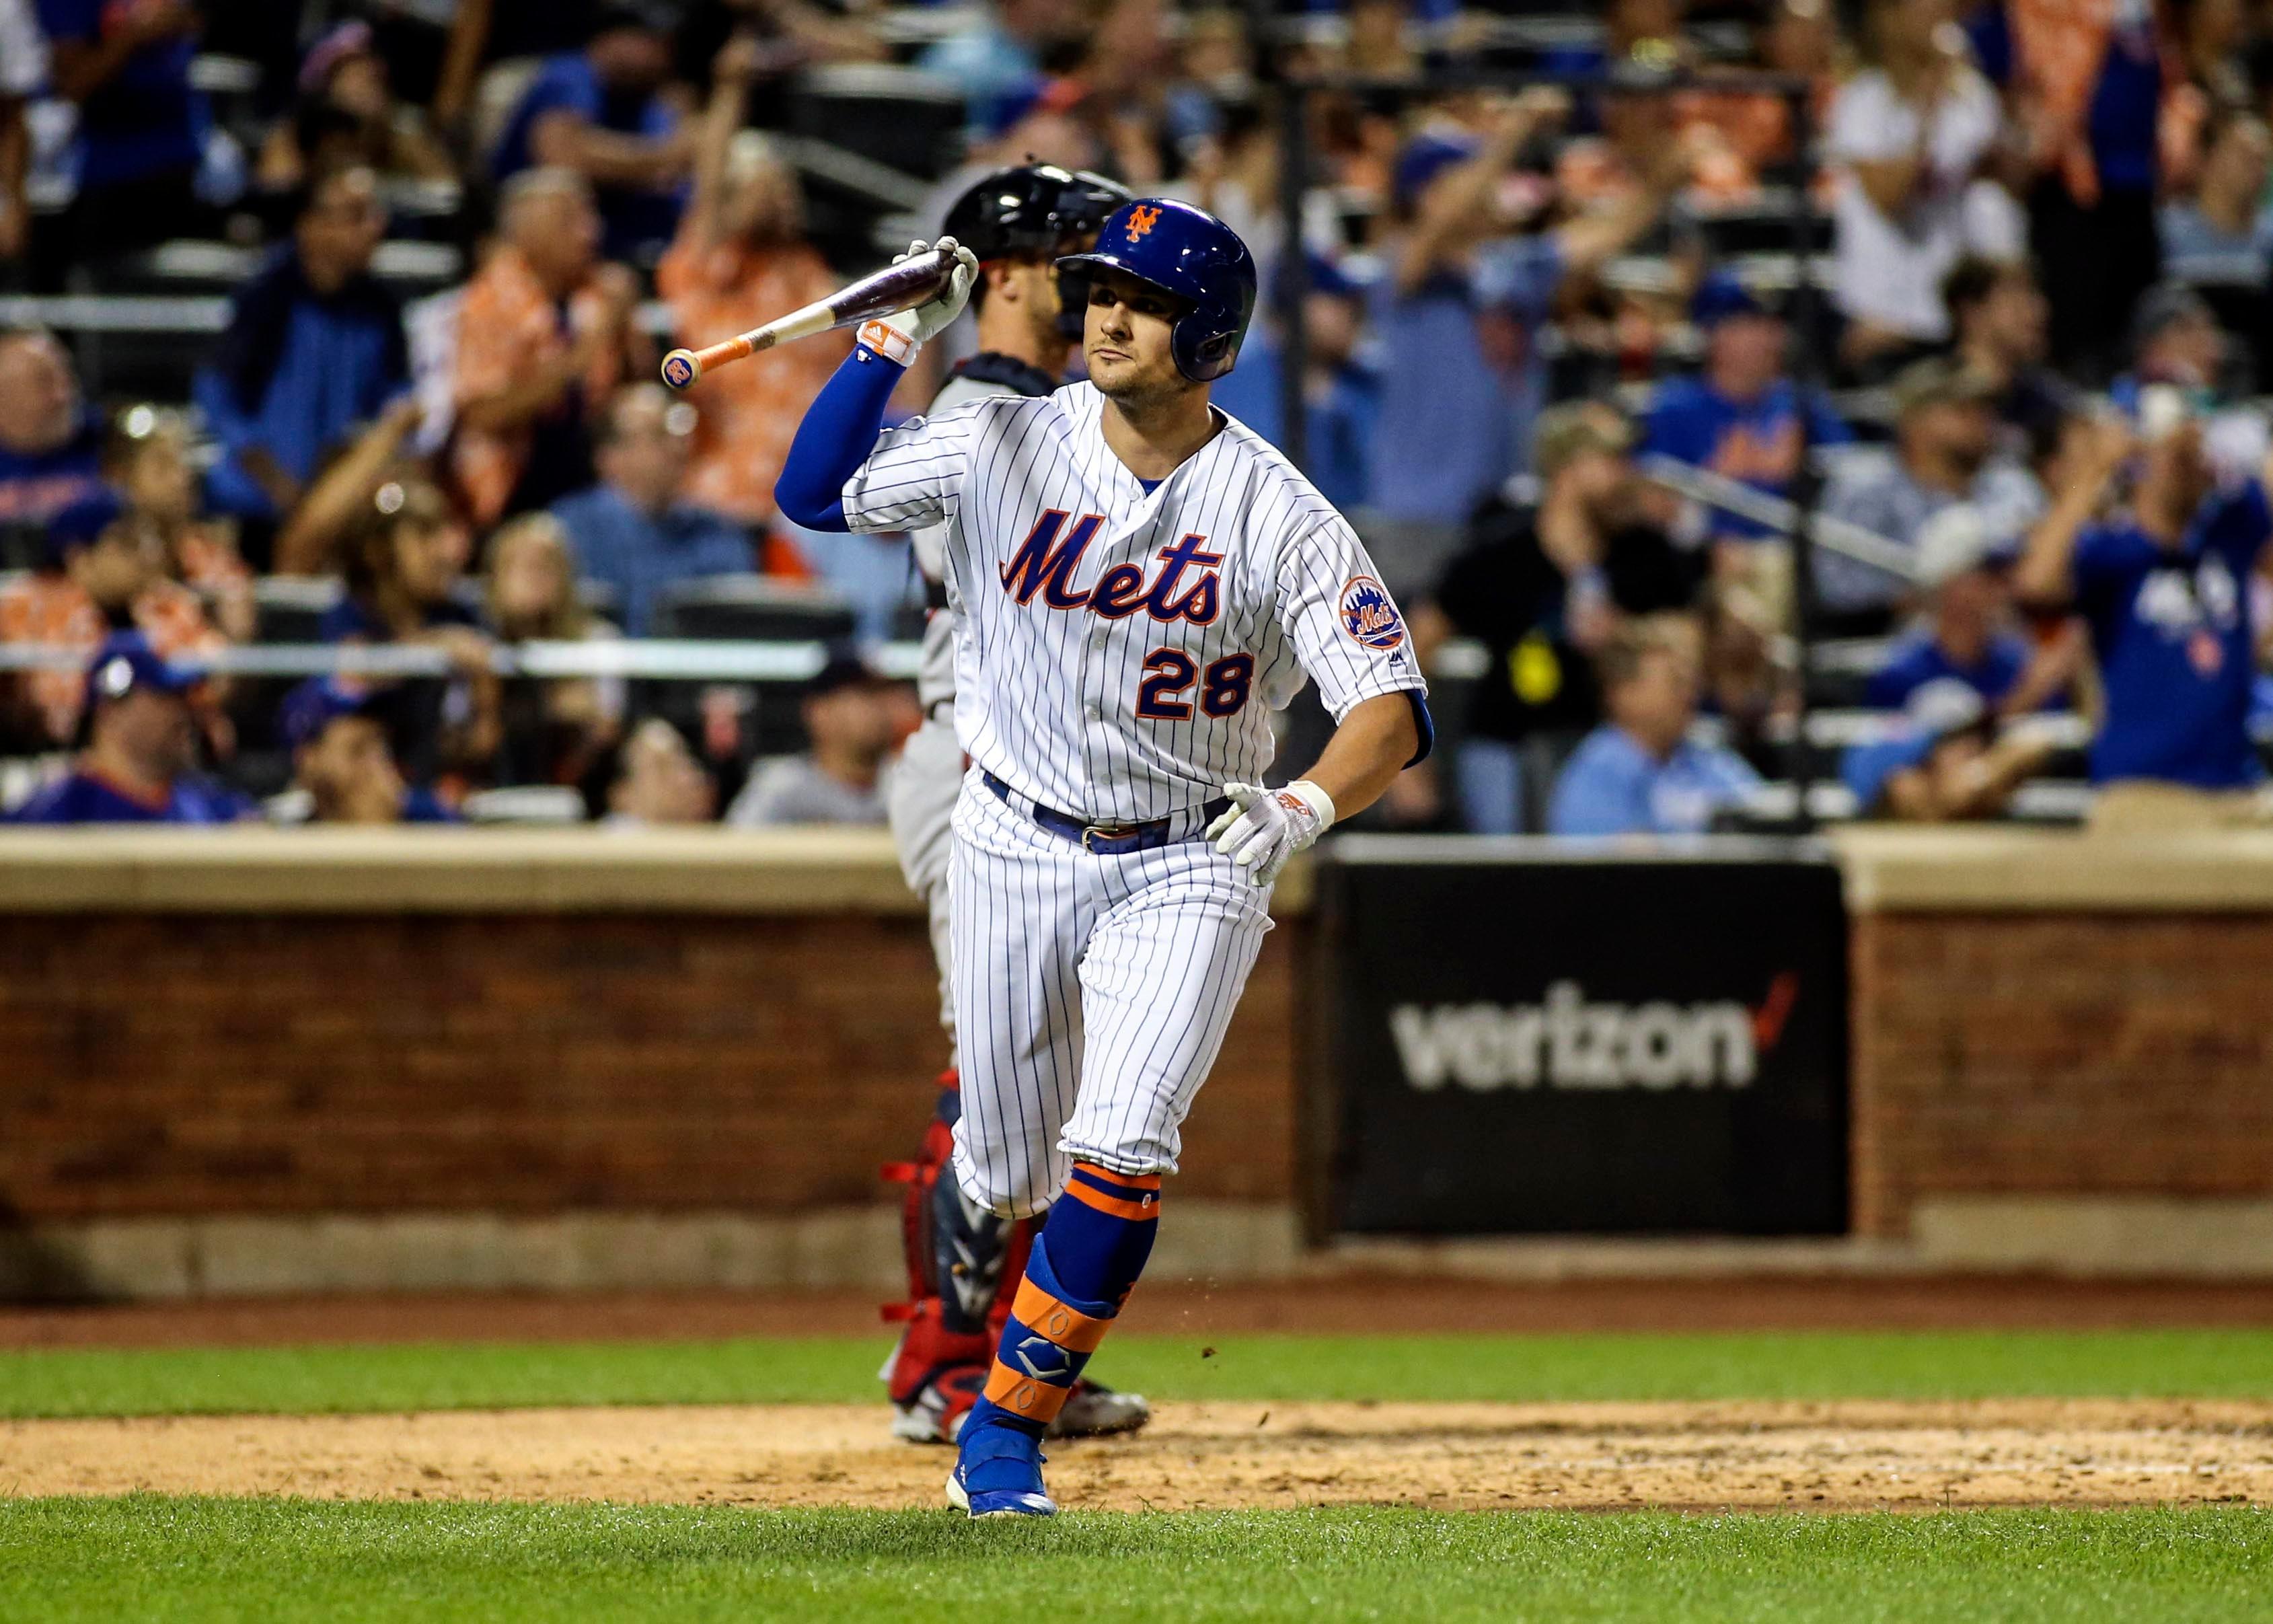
{"x":843,"y":472}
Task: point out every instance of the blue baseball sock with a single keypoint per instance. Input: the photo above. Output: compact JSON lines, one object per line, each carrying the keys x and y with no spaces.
{"x":1082,"y":1267}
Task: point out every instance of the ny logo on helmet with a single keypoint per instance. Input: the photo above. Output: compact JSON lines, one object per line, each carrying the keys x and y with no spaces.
{"x":1142,"y":219}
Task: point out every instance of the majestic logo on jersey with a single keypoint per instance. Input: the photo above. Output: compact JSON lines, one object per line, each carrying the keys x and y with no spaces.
{"x":1045,"y":563}
{"x":1369,"y":617}
{"x":1141,"y":219}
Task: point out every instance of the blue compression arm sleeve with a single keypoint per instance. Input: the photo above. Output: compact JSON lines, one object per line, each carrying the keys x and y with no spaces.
{"x":838,"y":432}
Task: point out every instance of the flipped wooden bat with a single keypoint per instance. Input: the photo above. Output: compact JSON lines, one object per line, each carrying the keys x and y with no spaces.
{"x":896,"y":288}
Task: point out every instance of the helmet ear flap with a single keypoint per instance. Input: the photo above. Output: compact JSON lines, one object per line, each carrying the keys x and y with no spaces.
{"x":1204,"y":359}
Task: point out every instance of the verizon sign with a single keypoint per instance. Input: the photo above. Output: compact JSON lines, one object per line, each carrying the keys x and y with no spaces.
{"x":1565,"y":1044}
{"x":1568,"y":1043}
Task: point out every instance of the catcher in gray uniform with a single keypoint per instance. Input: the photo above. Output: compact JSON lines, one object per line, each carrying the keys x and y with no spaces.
{"x":960,"y":1259}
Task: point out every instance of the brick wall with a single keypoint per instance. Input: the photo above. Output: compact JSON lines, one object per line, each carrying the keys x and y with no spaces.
{"x":193,"y":1064}
{"x":2107,"y":1054}
{"x":187,"y":1065}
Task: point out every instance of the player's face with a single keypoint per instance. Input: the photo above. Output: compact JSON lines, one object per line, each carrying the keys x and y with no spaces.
{"x":1125,"y":338}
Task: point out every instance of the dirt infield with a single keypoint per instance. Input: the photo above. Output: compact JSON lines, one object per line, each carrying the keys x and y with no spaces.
{"x":1815,"y":1456}
{"x":1354,"y":1303}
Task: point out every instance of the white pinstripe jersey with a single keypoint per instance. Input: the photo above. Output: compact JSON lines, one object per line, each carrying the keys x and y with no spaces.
{"x":936,"y":673}
{"x":1120,"y":651}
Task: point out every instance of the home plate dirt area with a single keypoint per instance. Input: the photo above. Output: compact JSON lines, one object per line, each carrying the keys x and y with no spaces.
{"x":1844,"y":1455}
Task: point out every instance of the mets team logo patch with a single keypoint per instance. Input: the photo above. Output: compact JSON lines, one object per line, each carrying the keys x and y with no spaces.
{"x":1141,"y":219}
{"x":1370,"y":618}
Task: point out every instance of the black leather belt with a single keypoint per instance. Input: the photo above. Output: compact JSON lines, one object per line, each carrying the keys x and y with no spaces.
{"x":1104,"y":840}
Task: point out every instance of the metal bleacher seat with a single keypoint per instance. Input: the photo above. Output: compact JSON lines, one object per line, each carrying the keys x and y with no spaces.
{"x":1841,"y":670}
{"x":23,"y":545}
{"x":598,"y":598}
{"x":753,"y":608}
{"x":1761,"y":224}
{"x":191,"y":267}
{"x":907,"y":121}
{"x":291,"y":608}
{"x":286,"y":610}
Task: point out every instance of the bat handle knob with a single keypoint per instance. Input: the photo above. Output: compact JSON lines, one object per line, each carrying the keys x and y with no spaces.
{"x":680,"y":369}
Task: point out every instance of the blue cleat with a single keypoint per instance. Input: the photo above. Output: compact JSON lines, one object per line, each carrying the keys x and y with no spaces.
{"x":998,"y":1469}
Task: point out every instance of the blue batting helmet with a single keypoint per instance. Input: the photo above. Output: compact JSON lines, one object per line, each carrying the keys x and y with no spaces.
{"x":1189,"y":253}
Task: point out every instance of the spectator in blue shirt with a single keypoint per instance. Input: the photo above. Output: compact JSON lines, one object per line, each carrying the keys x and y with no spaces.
{"x":997,"y":61}
{"x":2164,"y":587}
{"x":1944,"y":763}
{"x":342,"y":763}
{"x":1742,"y":417}
{"x":142,"y":742}
{"x":1946,"y":450}
{"x":1341,"y":395}
{"x":50,"y":444}
{"x":630,"y":530}
{"x":1456,"y":319}
{"x":314,"y":348}
{"x":141,"y":128}
{"x":2222,"y":234}
{"x":597,"y":112}
{"x":1640,"y":773}
{"x":1968,"y":633}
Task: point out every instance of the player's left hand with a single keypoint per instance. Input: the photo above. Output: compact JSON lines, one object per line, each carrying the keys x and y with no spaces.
{"x":897,"y":337}
{"x":1263,"y":828}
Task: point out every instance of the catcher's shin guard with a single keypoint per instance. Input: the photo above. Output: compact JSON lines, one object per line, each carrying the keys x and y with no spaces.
{"x":964,"y":1267}
{"x":918,"y":1178}
{"x":959,"y":1257}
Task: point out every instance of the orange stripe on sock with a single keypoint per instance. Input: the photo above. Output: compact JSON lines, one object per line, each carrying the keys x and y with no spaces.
{"x":1136,"y":1212}
{"x":1024,"y":1397}
{"x":1063,"y":1324}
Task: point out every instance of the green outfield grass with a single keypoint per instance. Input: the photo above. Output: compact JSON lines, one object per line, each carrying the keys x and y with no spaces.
{"x":153,"y":1558}
{"x":2233,"y":1363}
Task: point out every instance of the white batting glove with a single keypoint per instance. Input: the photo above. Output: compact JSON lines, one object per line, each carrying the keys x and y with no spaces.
{"x":1265,"y":827}
{"x":898,"y":336}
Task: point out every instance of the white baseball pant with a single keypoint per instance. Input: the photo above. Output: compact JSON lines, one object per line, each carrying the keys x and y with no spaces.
{"x":1093,"y":993}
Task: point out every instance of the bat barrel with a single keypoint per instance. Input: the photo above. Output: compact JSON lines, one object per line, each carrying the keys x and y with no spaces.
{"x":900,"y":287}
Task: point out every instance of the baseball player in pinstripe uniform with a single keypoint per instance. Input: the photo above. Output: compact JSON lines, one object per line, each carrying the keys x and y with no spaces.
{"x":961,"y":1257}
{"x":1140,"y":582}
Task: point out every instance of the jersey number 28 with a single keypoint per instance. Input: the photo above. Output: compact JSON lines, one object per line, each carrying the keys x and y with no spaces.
{"x":1170,"y":674}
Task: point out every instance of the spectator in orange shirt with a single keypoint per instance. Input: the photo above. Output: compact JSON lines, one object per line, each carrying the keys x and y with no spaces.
{"x":742,"y":259}
{"x":544,"y":334}
{"x":106,"y":572}
{"x":148,"y":463}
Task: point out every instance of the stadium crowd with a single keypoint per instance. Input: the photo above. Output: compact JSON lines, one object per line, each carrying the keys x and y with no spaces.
{"x":1560,"y":363}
